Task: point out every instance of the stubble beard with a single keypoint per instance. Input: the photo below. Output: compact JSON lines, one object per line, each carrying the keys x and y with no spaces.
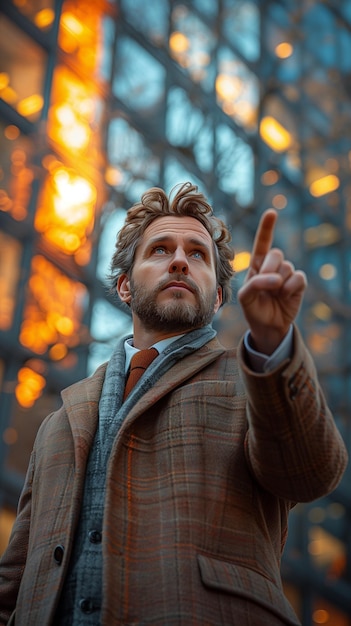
{"x":176,"y":315}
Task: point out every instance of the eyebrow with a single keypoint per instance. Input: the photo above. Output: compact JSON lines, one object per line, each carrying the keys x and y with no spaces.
{"x":199,"y":243}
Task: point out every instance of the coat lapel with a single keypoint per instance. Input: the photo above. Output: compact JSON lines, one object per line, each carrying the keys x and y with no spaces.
{"x":177,"y":374}
{"x":81,"y":402}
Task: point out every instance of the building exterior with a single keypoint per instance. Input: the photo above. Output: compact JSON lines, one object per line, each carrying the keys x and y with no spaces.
{"x":251,"y":100}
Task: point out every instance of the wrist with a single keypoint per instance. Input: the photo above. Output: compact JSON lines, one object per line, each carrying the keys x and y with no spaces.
{"x":267,"y":341}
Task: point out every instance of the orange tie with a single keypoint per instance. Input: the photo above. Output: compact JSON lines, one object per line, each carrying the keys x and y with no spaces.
{"x":139,"y":363}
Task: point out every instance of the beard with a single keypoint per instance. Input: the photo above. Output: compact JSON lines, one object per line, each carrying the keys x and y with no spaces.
{"x":176,"y":315}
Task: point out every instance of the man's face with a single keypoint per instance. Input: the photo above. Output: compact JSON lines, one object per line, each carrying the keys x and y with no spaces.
{"x":173,"y":285}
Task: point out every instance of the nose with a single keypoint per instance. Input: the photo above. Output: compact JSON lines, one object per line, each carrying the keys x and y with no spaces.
{"x":179,"y":263}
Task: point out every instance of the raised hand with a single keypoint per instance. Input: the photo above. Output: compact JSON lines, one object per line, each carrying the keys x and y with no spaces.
{"x":272,"y":292}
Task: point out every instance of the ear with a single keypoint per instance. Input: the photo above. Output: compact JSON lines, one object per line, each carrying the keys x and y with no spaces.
{"x":219,"y":299}
{"x":123,"y":288}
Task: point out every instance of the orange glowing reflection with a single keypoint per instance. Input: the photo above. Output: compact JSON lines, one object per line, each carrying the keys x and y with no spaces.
{"x":274,"y":134}
{"x":81,"y":34}
{"x":12,"y":132}
{"x":31,"y":105}
{"x":30,"y":387}
{"x":65,"y":214}
{"x":53,"y":312}
{"x":10,"y":436}
{"x":10,"y":255}
{"x":44,"y":18}
{"x":74,"y":112}
{"x":4,"y":80}
{"x":228,"y":87}
{"x":15,"y":198}
{"x":9,"y":95}
{"x":270,"y":177}
{"x":58,"y":352}
{"x":324,"y":185}
{"x":178,"y":43}
{"x":241,"y":261}
{"x":284,"y":50}
{"x":235,"y":98}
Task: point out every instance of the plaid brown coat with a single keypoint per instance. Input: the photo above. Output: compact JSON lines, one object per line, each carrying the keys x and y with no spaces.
{"x":199,"y":486}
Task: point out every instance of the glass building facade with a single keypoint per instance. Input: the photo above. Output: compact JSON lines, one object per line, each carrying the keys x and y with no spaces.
{"x":251,"y":101}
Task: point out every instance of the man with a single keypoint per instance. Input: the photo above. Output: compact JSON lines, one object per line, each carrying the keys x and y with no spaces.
{"x":169,"y":505}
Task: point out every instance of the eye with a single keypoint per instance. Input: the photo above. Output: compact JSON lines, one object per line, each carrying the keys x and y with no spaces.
{"x":198,"y":254}
{"x":159,"y":250}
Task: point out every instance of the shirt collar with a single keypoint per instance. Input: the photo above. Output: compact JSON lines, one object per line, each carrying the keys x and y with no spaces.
{"x":160,"y":346}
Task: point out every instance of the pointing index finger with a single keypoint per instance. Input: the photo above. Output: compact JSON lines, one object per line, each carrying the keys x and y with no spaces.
{"x":263,"y":239}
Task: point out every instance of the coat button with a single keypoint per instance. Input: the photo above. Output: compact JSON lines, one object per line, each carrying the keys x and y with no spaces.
{"x":58,"y":554}
{"x":94,"y":536}
{"x":86,"y":605}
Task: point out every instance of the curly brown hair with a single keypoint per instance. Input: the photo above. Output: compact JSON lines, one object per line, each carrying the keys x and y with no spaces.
{"x":187,"y":201}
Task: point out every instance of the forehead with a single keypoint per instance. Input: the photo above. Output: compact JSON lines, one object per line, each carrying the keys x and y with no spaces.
{"x":171,"y":225}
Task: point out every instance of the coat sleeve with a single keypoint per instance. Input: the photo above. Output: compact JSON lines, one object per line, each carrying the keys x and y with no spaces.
{"x":293,"y":446}
{"x":14,"y":558}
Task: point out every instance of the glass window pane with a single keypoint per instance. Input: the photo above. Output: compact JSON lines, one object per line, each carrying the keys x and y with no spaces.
{"x":87,"y":35}
{"x":235,"y":165}
{"x":150,"y":18}
{"x":241,"y":26}
{"x":16,"y":172}
{"x":41,"y":12}
{"x":110,"y":224}
{"x":176,"y":172}
{"x":75,"y":115}
{"x":66,"y":211}
{"x":22,"y":66}
{"x":139,"y":79}
{"x":237,"y":90}
{"x":192,"y":45}
{"x":55,"y":306}
{"x":209,"y":8}
{"x":188,"y":129}
{"x":133,"y":166}
{"x":108,"y":324}
{"x":10,"y":257}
